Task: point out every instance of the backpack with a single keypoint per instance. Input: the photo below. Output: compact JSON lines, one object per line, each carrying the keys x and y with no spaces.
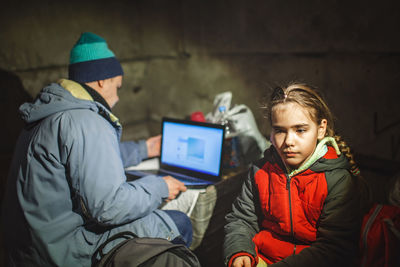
{"x":380,"y":237}
{"x":144,"y":251}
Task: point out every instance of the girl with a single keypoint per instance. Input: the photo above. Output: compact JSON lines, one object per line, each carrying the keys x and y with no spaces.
{"x":299,"y":205}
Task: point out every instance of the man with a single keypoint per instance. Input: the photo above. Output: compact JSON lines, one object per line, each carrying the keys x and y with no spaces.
{"x":67,"y":191}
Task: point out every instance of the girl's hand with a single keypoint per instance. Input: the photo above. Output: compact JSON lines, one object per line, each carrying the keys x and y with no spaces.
{"x":242,"y":261}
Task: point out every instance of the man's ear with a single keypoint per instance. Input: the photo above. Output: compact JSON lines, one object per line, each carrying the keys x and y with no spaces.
{"x":322,"y":129}
{"x":100,"y":83}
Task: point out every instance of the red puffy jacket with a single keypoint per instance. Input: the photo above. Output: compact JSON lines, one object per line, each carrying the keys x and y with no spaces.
{"x":309,"y":219}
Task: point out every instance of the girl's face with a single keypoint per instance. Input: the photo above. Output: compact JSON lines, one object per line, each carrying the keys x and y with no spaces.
{"x":294,"y":133}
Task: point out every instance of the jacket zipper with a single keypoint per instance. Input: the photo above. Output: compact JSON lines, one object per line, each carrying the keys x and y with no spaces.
{"x":290,"y":212}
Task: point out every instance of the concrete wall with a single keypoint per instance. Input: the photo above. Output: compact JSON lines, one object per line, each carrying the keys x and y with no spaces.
{"x":178,"y":55}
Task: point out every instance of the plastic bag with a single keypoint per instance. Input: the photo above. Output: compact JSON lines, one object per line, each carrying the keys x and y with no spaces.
{"x":243,"y":127}
{"x":252,"y":142}
{"x":223,"y":99}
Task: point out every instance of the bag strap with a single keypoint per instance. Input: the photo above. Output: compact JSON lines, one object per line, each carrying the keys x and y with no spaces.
{"x":372,"y":216}
{"x":99,"y":251}
{"x":392,"y":227}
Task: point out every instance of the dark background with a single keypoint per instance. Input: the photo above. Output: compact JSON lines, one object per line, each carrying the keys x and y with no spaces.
{"x":177,"y":55}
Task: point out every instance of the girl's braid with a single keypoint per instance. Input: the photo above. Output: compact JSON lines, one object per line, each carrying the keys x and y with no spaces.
{"x":345,"y":149}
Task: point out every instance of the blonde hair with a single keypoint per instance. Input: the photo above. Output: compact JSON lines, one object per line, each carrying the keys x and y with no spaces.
{"x":308,"y":97}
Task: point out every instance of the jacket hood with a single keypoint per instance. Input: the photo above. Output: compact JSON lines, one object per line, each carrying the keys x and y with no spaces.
{"x":62,"y":96}
{"x":329,"y":164}
{"x":52,"y":99}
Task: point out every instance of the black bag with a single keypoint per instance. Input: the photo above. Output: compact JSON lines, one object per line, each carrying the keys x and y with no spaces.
{"x":144,"y":251}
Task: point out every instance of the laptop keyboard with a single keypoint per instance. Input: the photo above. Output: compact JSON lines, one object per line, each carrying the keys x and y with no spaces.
{"x":183,"y":178}
{"x":180,"y":176}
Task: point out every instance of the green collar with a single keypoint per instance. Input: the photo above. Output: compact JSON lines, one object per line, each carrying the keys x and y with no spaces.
{"x":319,"y":152}
{"x":79,"y":92}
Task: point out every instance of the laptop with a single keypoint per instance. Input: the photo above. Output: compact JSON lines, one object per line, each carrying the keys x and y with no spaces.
{"x":190,"y":152}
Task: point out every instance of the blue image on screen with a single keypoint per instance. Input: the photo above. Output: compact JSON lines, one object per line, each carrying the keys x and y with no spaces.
{"x":192,"y":147}
{"x":196,"y":148}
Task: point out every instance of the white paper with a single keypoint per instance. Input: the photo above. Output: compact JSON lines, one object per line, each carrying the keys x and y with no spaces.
{"x":148,"y":164}
{"x":185,"y":201}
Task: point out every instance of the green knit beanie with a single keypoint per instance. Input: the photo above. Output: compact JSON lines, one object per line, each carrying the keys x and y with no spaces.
{"x":92,"y":60}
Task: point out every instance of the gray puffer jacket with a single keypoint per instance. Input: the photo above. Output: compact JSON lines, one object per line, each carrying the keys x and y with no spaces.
{"x":67,"y":191}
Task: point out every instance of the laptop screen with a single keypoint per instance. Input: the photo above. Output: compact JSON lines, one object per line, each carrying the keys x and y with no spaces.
{"x":192,"y":146}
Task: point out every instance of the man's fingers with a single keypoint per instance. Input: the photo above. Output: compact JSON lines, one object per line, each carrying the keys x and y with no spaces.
{"x":174,"y":187}
{"x":182,"y":187}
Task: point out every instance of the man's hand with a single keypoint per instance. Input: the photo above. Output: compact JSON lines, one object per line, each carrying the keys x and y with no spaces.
{"x":153,"y":146}
{"x":174,"y":187}
{"x":242,"y":261}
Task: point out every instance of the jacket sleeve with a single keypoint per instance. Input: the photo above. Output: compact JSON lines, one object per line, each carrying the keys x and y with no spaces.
{"x":132,"y":153}
{"x":338,"y":230}
{"x":242,"y":222}
{"x":97,"y":174}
